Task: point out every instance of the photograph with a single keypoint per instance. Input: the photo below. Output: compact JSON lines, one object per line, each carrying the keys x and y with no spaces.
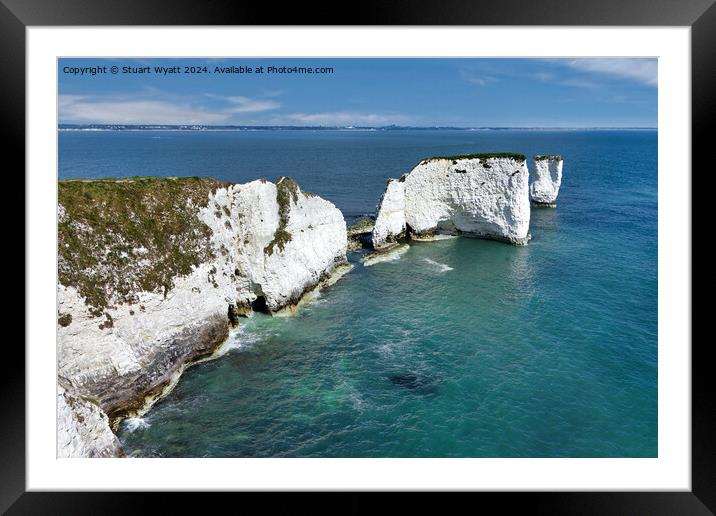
{"x":357,"y":257}
{"x":439,"y":250}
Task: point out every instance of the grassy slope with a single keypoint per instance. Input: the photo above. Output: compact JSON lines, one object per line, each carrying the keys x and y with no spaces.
{"x":121,"y":236}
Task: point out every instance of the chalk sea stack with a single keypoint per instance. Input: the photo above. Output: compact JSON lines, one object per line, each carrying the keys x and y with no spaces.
{"x":545,"y":183}
{"x":475,"y":195}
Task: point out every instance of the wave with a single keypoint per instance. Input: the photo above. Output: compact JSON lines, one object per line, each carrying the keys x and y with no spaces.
{"x":132,"y":424}
{"x":241,"y":338}
{"x":441,"y":267}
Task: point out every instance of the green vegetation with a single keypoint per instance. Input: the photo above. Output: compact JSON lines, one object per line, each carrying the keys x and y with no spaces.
{"x":64,"y":319}
{"x":511,"y":155}
{"x":93,"y":401}
{"x":360,"y":226}
{"x":117,"y":237}
{"x":546,"y":157}
{"x":108,"y":322}
{"x":286,"y":190}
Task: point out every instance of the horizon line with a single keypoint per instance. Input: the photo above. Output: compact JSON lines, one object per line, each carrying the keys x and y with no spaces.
{"x":189,"y":126}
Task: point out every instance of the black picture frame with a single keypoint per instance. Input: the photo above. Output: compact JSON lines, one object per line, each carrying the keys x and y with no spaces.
{"x":700,"y":15}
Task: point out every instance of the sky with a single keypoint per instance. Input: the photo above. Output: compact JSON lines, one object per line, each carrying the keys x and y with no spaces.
{"x":585,"y":92}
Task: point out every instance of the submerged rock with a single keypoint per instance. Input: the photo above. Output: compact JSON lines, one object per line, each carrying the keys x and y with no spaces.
{"x":414,"y":382}
{"x":387,"y":254}
{"x":154,"y":271}
{"x":546,"y":181}
{"x":477,"y":195}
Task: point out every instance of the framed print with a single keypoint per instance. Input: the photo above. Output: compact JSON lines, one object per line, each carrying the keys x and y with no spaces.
{"x":445,"y":250}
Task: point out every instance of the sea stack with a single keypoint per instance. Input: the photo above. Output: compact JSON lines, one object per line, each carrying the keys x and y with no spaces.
{"x":547,"y":179}
{"x":153,"y":272}
{"x":475,"y":195}
{"x":389,"y":224}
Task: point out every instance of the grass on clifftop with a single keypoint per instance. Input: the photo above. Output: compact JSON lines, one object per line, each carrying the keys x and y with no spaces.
{"x":488,"y":155}
{"x":117,"y":237}
{"x":362,"y":225}
{"x":547,"y":157}
{"x":286,"y":190}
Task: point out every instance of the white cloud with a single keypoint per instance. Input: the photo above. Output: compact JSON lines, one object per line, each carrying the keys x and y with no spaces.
{"x":142,"y":109}
{"x":477,"y":76}
{"x":580,"y":83}
{"x":480,"y":81}
{"x":339,"y":118}
{"x":640,"y":70}
{"x":248,"y":105}
{"x":83,"y":109}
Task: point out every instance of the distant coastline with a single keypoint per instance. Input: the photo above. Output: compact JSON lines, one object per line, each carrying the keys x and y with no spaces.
{"x":199,"y":127}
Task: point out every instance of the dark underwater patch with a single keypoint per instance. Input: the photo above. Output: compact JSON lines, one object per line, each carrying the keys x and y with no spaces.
{"x":418,"y":383}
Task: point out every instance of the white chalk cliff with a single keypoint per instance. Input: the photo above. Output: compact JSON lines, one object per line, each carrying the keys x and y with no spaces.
{"x":482,"y":196}
{"x":546,"y":180}
{"x":154,"y":271}
{"x":390,"y":221}
{"x":83,"y":429}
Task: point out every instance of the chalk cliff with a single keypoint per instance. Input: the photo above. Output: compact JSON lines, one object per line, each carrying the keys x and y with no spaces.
{"x":477,"y":195}
{"x":152,"y":274}
{"x":390,"y":221}
{"x":83,"y":428}
{"x":546,"y":180}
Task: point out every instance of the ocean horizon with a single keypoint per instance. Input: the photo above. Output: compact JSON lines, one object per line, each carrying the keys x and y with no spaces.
{"x":201,"y":127}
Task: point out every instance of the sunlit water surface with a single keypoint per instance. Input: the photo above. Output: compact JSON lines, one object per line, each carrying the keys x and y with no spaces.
{"x":461,"y":348}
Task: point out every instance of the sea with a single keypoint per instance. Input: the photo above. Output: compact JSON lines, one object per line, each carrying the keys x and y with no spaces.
{"x":457,"y":348}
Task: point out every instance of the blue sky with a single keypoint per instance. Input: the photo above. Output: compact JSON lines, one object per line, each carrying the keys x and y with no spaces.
{"x":604,"y":92}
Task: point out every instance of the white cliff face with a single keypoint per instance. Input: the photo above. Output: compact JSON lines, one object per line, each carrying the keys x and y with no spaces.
{"x":278,"y":268}
{"x":547,"y":179}
{"x":390,"y":222}
{"x":482,"y":197}
{"x":269,"y":243}
{"x":83,"y":429}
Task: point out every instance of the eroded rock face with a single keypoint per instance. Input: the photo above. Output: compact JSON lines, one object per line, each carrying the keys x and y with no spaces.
{"x":153,"y":275}
{"x":390,"y":221}
{"x":281,"y":241}
{"x":83,"y":429}
{"x":482,"y":196}
{"x":360,"y":233}
{"x":545,"y":183}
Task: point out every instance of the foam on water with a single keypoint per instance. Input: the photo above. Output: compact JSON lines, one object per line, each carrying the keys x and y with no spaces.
{"x":441,"y":267}
{"x":242,"y":338}
{"x":132,"y":424}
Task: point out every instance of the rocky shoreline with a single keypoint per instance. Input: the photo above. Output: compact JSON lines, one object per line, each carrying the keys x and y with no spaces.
{"x":154,"y":272}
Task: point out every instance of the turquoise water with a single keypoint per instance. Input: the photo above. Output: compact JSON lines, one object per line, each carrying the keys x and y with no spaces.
{"x":461,"y":348}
